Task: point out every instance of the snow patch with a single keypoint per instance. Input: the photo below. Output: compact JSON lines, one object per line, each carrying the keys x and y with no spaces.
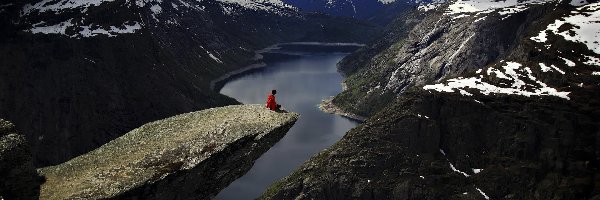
{"x":465,"y":93}
{"x":578,"y":2}
{"x":583,"y":27}
{"x":156,"y":9}
{"x":386,"y":1}
{"x":487,"y":6}
{"x":428,"y":7}
{"x":568,"y":62}
{"x":127,"y":28}
{"x":557,"y":69}
{"x":544,"y":68}
{"x":212,"y":56}
{"x":273,"y":6}
{"x":59,"y":28}
{"x":456,"y":170}
{"x":482,"y":193}
{"x":513,"y":72}
{"x":58,"y":6}
{"x":84,"y":31}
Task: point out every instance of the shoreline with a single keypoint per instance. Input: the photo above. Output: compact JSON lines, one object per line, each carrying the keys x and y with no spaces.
{"x":327,"y":106}
{"x":217,"y":84}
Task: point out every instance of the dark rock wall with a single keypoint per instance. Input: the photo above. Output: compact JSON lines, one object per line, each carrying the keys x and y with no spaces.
{"x":18,"y":178}
{"x":527,"y":148}
{"x":69,"y":97}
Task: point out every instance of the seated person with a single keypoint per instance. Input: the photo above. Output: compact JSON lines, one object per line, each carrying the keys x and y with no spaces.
{"x":271,"y":103}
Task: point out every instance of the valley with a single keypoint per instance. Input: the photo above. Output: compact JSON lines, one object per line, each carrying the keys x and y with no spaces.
{"x":461,"y":99}
{"x":303,"y":74}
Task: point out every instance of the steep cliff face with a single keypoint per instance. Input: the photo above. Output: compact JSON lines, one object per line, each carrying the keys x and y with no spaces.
{"x":76,"y":74}
{"x":18,"y":178}
{"x":189,"y":156}
{"x":520,"y":125}
{"x":448,"y":146}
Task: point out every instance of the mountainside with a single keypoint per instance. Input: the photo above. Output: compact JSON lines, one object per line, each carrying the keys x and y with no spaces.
{"x":449,"y":146}
{"x":480,"y":100}
{"x":76,"y":74}
{"x":449,"y":42}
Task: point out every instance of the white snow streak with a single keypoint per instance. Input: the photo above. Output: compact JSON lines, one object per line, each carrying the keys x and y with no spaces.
{"x":456,"y":170}
{"x":513,"y":72}
{"x":482,"y":193}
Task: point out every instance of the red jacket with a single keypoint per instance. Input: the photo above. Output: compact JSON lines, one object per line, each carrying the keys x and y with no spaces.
{"x":271,"y":104}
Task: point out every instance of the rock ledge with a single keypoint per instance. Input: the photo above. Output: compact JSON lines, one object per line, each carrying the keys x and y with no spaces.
{"x":188,"y":156}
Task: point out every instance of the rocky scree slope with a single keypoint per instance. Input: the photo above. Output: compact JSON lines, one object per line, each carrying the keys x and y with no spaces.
{"x":188,"y":156}
{"x":76,"y":74}
{"x":521,"y":127}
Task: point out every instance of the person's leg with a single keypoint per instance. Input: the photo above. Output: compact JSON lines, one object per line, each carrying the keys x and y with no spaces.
{"x":280,"y":110}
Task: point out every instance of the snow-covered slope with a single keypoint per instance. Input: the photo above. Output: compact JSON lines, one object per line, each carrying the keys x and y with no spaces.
{"x":581,"y":26}
{"x":458,"y":38}
{"x":275,"y":6}
{"x":78,"y":25}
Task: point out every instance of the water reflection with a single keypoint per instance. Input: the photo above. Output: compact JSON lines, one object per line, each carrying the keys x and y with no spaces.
{"x":302,"y":81}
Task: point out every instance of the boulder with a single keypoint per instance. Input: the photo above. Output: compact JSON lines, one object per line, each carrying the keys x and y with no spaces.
{"x":18,"y":177}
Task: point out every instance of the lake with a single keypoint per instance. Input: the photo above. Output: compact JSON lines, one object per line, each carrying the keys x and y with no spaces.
{"x":303,"y":75}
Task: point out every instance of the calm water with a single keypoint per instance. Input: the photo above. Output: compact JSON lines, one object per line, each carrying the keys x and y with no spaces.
{"x":302,"y":80}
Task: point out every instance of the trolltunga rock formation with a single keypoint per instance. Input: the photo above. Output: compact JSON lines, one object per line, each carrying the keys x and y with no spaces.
{"x":188,"y":156}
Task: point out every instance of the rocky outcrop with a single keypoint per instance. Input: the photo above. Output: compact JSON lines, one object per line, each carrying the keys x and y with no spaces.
{"x":447,"y":146}
{"x":18,"y":177}
{"x":188,"y":156}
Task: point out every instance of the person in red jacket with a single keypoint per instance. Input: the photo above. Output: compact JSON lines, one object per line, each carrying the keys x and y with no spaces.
{"x":271,"y":103}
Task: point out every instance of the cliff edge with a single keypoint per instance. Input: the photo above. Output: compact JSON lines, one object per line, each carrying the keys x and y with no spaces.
{"x":188,"y":156}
